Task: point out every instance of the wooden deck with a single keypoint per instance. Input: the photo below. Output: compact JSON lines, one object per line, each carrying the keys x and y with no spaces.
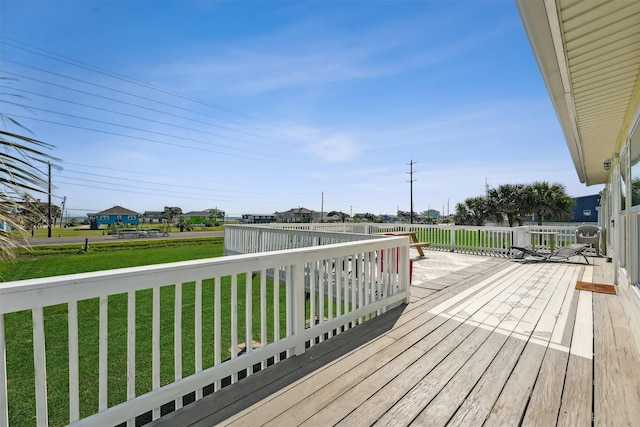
{"x":496,"y":343}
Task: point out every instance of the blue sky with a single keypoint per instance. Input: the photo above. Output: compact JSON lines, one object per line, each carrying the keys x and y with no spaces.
{"x":263,"y":106}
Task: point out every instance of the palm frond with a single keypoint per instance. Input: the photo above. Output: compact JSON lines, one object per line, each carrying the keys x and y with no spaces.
{"x":20,"y":156}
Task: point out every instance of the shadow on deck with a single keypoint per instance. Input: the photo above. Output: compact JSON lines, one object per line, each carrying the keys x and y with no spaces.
{"x":484,"y":340}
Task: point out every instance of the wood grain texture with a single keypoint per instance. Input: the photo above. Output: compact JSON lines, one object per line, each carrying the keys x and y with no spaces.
{"x":617,"y":366}
{"x":513,"y":346}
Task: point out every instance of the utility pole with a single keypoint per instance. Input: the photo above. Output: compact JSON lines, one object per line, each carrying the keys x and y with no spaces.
{"x":49,"y":205}
{"x":322,"y":208}
{"x":411,"y":180}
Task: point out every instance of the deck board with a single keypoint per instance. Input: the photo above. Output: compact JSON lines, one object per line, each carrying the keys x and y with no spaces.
{"x":496,"y":343}
{"x":412,"y":403}
{"x":575,"y":409}
{"x":443,"y":406}
{"x":478,"y":404}
{"x":544,"y":404}
{"x":617,"y":384}
{"x":513,"y":399}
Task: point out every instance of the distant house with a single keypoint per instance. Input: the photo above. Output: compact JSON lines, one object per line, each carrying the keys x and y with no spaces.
{"x":585,"y":209}
{"x":433,"y":214}
{"x":388,"y":218}
{"x":298,"y":215}
{"x":335,"y":216}
{"x":366,"y":217}
{"x":114,"y":215}
{"x":9,"y":210}
{"x":259,"y":218}
{"x":152,"y":216}
{"x":5,"y":226}
{"x":218,"y":214}
{"x":205,"y":216}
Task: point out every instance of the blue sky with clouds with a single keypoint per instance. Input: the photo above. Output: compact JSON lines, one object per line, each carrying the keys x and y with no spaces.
{"x":263,"y":106}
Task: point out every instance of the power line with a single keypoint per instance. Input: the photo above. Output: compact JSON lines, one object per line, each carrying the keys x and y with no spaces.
{"x":182,"y":196}
{"x":95,"y":69}
{"x":131,"y":104}
{"x":76,"y":85}
{"x":139,"y":138}
{"x":103,"y":122}
{"x":152,"y":120}
{"x":411,"y":181}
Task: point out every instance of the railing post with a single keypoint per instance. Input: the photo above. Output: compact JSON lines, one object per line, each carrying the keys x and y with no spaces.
{"x":520,"y":236}
{"x":298,"y":306}
{"x":405,"y":274}
{"x":452,"y":238}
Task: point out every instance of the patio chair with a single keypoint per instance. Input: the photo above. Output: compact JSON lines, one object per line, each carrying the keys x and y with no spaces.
{"x":519,"y":252}
{"x":589,"y":234}
{"x":561,"y":253}
{"x":566,"y":252}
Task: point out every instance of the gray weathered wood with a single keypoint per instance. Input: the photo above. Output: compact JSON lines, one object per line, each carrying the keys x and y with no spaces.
{"x":575,"y":409}
{"x":486,"y":345}
{"x":617,"y":366}
{"x":545,"y":400}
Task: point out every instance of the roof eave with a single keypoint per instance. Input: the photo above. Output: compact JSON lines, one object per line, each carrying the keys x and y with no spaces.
{"x":545,"y":36}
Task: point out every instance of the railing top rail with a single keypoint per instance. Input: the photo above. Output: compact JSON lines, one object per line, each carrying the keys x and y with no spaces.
{"x":277,"y":227}
{"x":333,"y":226}
{"x":42,"y":292}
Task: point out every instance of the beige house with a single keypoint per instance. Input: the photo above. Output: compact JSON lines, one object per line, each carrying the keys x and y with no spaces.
{"x":589,"y":55}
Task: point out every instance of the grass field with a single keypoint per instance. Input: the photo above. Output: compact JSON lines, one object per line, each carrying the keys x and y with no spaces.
{"x":45,"y":261}
{"x":83,"y":230}
{"x":51,"y":261}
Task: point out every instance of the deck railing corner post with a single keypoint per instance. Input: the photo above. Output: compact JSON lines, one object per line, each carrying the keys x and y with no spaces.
{"x":406,"y":272}
{"x":298,"y":307}
{"x":520,"y":236}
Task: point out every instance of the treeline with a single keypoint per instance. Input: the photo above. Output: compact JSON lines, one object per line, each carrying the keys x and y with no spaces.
{"x":515,"y":202}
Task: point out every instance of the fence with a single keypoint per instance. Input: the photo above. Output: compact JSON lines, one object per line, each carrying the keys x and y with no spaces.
{"x":128,"y":345}
{"x":488,"y":240}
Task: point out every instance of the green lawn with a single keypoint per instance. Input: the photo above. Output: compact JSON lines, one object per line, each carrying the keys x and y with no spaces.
{"x":46,"y":261}
{"x":82,"y":231}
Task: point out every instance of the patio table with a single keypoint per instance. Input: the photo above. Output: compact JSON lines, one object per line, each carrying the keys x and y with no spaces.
{"x":414,"y":240}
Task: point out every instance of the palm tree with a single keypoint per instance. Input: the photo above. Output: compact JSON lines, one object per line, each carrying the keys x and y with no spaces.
{"x":170,"y":213}
{"x":21,"y":158}
{"x":548,"y":201}
{"x":635,"y":191}
{"x":343,"y":216}
{"x":472,"y":212}
{"x":507,"y":199}
{"x":184,"y":224}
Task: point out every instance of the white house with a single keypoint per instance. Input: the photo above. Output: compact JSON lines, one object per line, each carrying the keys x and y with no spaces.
{"x":589,"y":55}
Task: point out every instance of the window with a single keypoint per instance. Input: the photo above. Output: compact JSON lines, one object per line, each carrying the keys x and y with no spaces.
{"x":635,"y":168}
{"x":131,"y":217}
{"x":623,"y":181}
{"x":104,"y":217}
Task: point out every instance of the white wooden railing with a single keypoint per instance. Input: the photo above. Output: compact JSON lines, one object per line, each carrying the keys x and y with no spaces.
{"x":243,"y":239}
{"x":488,"y":240}
{"x":148,"y":339}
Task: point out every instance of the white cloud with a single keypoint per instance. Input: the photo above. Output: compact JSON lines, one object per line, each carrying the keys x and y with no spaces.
{"x":335,"y":148}
{"x":302,"y":54}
